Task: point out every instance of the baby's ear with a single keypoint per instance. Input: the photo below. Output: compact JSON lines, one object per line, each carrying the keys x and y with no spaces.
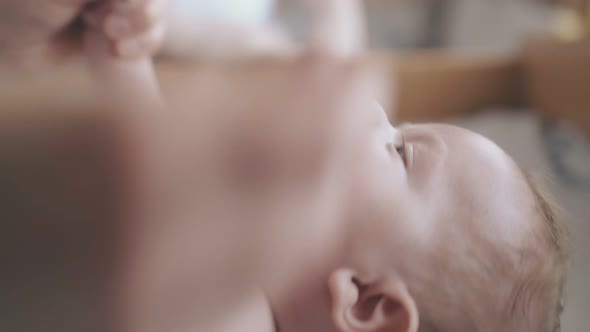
{"x":371,"y":305}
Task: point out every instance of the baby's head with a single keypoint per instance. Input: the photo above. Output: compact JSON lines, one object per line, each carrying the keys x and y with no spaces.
{"x":446,"y":234}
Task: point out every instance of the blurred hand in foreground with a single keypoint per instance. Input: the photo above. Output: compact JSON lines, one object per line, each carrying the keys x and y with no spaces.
{"x":36,"y":34}
{"x":161,"y":220}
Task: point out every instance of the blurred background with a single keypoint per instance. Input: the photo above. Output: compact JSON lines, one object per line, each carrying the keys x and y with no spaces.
{"x":545,"y":129}
{"x":476,"y":25}
{"x":494,"y":26}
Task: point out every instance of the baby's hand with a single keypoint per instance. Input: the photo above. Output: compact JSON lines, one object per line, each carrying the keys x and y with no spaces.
{"x":135,"y":28}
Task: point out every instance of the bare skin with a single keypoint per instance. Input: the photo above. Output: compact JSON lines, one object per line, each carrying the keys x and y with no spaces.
{"x":422,"y":211}
{"x":36,"y":35}
{"x":155,"y":268}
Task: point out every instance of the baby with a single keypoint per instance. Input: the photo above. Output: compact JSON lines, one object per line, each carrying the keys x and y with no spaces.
{"x":442,"y":232}
{"x":446,"y":233}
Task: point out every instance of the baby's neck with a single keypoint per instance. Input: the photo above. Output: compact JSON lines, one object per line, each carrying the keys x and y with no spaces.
{"x":254,"y":315}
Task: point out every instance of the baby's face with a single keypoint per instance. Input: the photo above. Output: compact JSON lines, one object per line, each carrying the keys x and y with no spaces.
{"x":423,"y":191}
{"x":433,"y":181}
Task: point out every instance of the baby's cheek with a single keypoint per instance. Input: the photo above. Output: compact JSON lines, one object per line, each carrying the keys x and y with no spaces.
{"x":378,"y":177}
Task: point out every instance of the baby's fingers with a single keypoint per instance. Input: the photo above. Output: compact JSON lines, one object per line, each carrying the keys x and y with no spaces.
{"x":133,"y":18}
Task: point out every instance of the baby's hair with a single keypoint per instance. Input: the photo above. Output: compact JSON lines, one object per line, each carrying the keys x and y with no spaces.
{"x":534,"y":269}
{"x":557,"y":239}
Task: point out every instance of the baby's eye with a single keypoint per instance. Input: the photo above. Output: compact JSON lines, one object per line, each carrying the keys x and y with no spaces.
{"x":401,"y":150}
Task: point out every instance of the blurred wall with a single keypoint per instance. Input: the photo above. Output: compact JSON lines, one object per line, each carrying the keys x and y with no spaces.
{"x":478,"y":25}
